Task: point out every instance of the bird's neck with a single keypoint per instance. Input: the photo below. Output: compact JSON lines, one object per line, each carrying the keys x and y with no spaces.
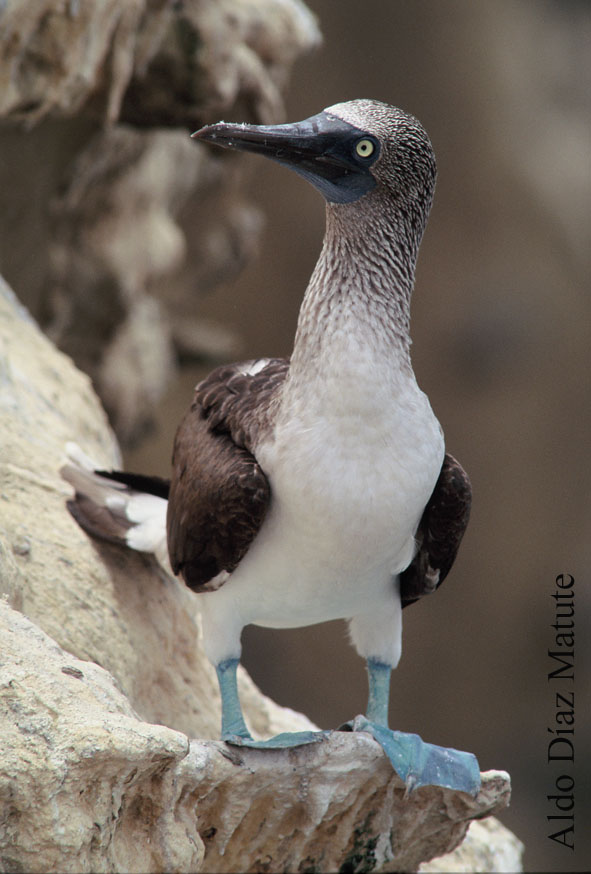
{"x":359,"y":294}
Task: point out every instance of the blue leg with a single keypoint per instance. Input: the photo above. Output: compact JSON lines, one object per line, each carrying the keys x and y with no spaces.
{"x":233,"y":724}
{"x":378,"y":698}
{"x":234,"y":728}
{"x":416,"y":762}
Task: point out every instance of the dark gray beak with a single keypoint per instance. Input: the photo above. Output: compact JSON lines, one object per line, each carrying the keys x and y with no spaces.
{"x":321,"y":149}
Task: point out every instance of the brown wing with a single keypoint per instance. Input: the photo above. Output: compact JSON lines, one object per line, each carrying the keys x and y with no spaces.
{"x":219,"y":494}
{"x":439,"y":533}
{"x":239,"y":403}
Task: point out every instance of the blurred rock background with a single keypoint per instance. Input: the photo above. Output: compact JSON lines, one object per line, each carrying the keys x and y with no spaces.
{"x":501,"y":310}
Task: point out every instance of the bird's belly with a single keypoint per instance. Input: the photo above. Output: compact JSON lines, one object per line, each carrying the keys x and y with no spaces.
{"x":341,"y":525}
{"x":297,"y":577}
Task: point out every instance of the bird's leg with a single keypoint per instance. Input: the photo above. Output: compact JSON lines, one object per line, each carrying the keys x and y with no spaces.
{"x":379,"y":692}
{"x":377,"y":636}
{"x":234,"y":728}
{"x":416,"y":762}
{"x":233,"y":724}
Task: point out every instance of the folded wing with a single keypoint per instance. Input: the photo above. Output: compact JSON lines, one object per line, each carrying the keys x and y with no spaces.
{"x":219,"y":495}
{"x":439,"y":533}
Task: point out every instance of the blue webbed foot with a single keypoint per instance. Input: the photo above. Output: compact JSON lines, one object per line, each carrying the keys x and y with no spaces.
{"x":423,"y":764}
{"x":416,"y":762}
{"x":285,"y":740}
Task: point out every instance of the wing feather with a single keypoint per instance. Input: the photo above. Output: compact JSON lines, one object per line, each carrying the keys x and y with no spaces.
{"x":439,"y":534}
{"x":219,"y":495}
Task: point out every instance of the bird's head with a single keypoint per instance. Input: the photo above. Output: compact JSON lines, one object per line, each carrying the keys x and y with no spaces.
{"x":346,"y":151}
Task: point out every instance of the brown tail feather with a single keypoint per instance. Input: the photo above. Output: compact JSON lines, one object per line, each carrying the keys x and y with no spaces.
{"x":117,"y":507}
{"x":97,"y":520}
{"x":89,"y":505}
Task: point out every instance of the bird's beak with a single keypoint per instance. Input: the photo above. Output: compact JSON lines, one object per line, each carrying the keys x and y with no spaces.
{"x":317,"y":148}
{"x":304,"y":142}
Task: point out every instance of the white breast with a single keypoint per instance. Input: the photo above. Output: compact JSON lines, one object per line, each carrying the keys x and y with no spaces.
{"x":351,"y":468}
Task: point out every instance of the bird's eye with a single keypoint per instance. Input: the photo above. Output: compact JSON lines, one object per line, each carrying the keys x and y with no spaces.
{"x":364,"y":148}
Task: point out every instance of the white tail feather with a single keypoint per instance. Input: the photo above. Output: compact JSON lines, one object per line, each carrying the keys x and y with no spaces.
{"x":140,"y":517}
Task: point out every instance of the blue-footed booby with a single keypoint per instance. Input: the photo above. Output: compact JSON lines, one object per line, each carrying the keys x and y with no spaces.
{"x":316,"y":487}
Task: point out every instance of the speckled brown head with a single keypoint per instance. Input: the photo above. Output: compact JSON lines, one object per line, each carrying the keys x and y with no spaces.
{"x":346,"y":151}
{"x":375,"y":166}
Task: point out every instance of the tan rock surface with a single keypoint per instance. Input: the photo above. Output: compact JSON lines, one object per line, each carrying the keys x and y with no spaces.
{"x":488,"y":846}
{"x":86,"y":785}
{"x":83,"y":781}
{"x":332,"y":806}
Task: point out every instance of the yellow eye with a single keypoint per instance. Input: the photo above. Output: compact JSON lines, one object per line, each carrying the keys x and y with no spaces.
{"x":365,"y":148}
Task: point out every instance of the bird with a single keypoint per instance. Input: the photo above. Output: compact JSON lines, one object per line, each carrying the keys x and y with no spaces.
{"x":315,"y":487}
